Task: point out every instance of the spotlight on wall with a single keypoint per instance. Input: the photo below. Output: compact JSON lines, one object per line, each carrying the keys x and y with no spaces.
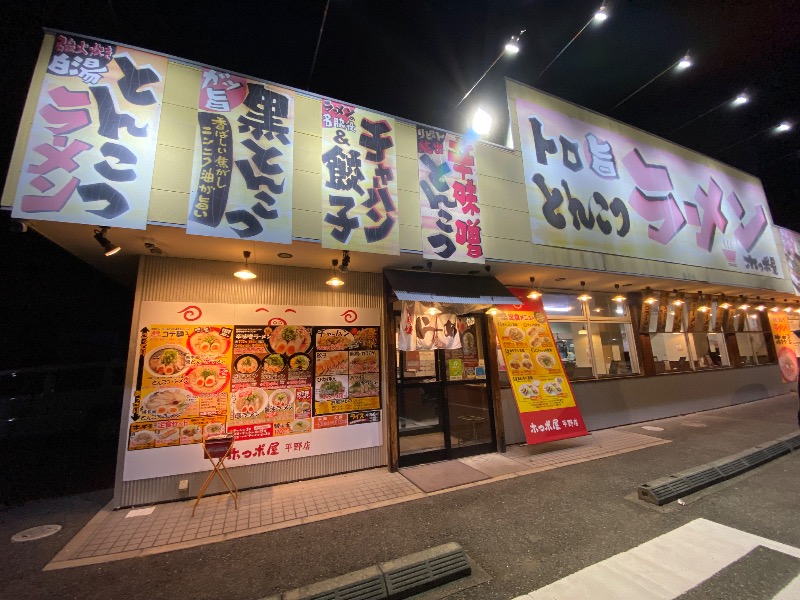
{"x":334,"y":281}
{"x":534,"y":294}
{"x":703,"y":306}
{"x":584,"y":297}
{"x":618,"y":297}
{"x":108,"y":247}
{"x":244,"y":272}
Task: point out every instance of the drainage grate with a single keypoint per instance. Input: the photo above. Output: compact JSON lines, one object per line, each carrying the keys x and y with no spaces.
{"x":424,"y":570}
{"x":667,"y":489}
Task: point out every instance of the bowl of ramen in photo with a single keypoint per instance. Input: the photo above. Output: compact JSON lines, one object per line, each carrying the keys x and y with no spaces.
{"x":167,"y":361}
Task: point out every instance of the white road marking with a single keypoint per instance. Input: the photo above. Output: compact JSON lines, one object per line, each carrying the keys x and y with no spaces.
{"x":666,"y":566}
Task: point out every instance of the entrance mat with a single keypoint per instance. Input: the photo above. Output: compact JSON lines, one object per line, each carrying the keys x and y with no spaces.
{"x":442,"y":475}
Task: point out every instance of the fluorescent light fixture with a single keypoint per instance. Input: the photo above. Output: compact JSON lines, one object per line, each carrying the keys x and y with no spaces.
{"x":244,"y":272}
{"x":785,"y":126}
{"x":741,"y":99}
{"x":685,"y":62}
{"x":482,"y":122}
{"x":601,"y":14}
{"x":557,"y":308}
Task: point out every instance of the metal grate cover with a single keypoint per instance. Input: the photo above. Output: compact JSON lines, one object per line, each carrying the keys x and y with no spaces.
{"x":424,"y":570}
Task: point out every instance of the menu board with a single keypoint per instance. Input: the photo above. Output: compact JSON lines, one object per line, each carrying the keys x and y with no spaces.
{"x":543,"y":394}
{"x":464,"y":362}
{"x":183,"y":385}
{"x":284,"y":389}
{"x":347,"y":371}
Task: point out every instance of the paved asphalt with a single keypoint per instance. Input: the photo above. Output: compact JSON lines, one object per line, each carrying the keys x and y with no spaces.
{"x":522,"y":533}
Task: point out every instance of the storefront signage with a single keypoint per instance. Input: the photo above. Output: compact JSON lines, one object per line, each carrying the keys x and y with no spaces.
{"x":287,"y":382}
{"x":92,"y":142}
{"x":243,"y":160}
{"x":543,"y":394}
{"x":784,"y":345}
{"x":791,"y":247}
{"x":449,"y":206}
{"x":592,"y":188}
{"x":359,"y":187}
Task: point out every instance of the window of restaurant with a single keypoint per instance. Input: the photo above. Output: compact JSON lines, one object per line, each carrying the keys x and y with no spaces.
{"x":689,"y":338}
{"x":750,"y":338}
{"x":593,"y":337}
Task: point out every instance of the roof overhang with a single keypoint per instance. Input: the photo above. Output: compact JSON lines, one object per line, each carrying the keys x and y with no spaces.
{"x":448,"y":288}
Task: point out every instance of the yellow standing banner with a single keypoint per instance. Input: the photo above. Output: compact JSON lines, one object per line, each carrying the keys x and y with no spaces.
{"x":782,"y":336}
{"x":543,"y":394}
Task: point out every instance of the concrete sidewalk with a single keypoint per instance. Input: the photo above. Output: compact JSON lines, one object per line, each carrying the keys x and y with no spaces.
{"x":129,"y":533}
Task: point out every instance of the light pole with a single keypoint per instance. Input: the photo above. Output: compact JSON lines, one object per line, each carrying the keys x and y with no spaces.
{"x":683,"y":63}
{"x":511,"y":48}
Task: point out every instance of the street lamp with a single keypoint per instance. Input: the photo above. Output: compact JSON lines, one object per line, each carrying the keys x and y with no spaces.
{"x":600,"y":15}
{"x":736,"y":102}
{"x":683,"y":63}
{"x":482,"y":122}
{"x":511,"y":48}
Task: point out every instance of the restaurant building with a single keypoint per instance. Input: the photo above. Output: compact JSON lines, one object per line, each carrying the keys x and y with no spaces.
{"x":658,"y":267}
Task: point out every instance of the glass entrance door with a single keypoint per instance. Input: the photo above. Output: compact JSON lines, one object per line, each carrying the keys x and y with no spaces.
{"x":444,"y":403}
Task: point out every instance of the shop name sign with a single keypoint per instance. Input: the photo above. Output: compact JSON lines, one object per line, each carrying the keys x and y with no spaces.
{"x":591,"y":188}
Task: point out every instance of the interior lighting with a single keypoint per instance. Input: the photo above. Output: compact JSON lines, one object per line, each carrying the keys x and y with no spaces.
{"x":482,"y":122}
{"x":244,"y":272}
{"x":335,"y":280}
{"x":582,"y":331}
{"x":584,"y":297}
{"x":109,"y":248}
{"x":534,"y":294}
{"x":601,"y":14}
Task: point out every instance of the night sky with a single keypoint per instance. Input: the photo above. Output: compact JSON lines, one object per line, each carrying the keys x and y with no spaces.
{"x":416,"y":60}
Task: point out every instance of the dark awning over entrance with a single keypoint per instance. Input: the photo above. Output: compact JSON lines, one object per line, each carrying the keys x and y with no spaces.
{"x":446,"y":288}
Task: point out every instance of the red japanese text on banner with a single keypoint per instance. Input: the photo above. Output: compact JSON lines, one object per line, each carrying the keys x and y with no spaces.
{"x":594,"y":184}
{"x":543,"y":394}
{"x":359,"y":190}
{"x":449,"y":208}
{"x":243,"y":160}
{"x":92,"y":142}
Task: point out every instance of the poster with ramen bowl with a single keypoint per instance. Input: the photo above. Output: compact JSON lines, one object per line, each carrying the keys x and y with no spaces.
{"x":542,"y":392}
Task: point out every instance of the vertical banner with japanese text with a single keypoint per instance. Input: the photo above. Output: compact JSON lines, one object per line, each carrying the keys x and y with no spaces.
{"x":359,"y":190}
{"x":784,"y":345}
{"x":449,"y":206}
{"x":92,"y":142}
{"x":243,"y":160}
{"x":597,"y":185}
{"x":542,"y":391}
